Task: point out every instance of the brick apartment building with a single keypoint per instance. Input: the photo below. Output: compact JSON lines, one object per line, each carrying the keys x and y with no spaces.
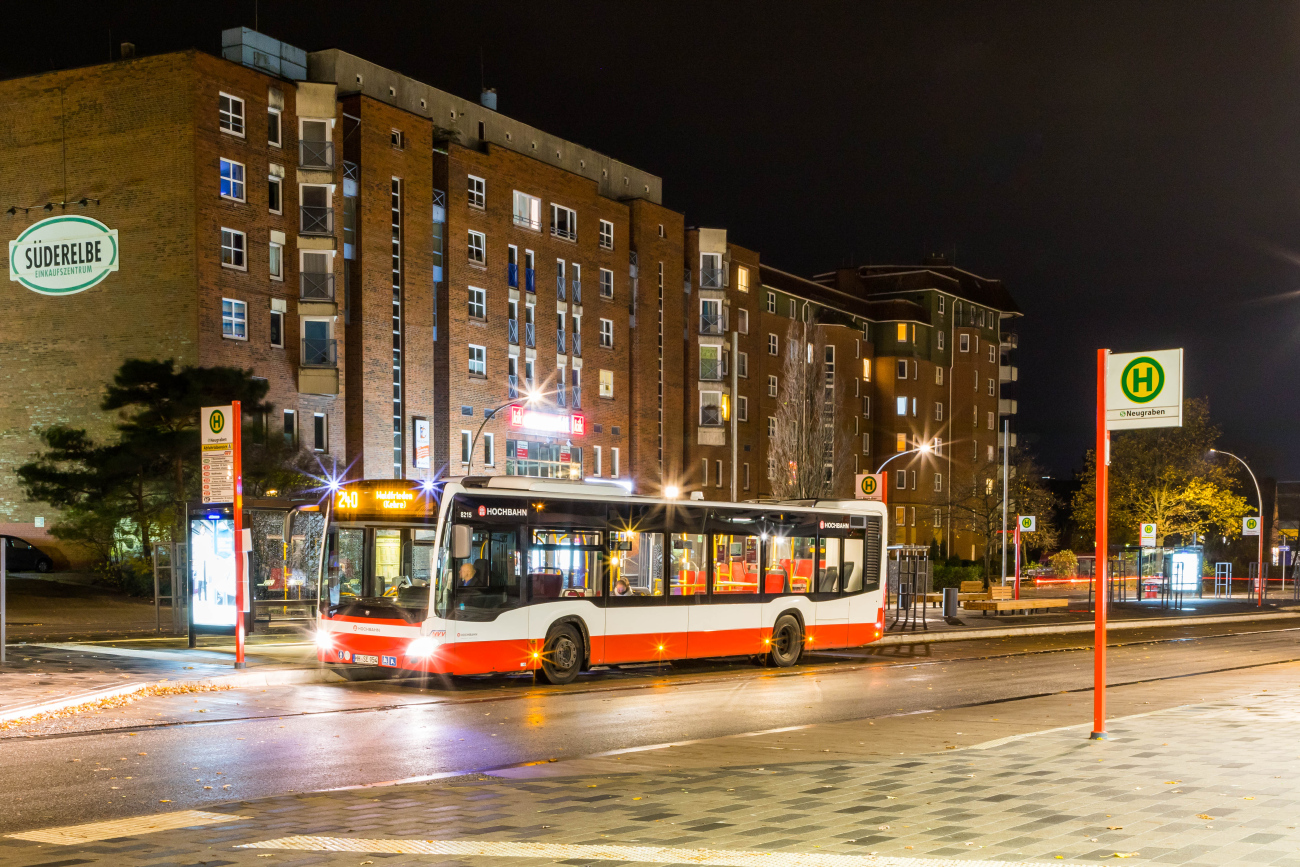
{"x":407,"y":268}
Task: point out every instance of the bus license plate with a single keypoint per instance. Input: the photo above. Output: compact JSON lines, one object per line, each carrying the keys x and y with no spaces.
{"x":364,"y":659}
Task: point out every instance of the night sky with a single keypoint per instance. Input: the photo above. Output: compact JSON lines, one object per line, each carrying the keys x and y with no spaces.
{"x":1130,"y":170}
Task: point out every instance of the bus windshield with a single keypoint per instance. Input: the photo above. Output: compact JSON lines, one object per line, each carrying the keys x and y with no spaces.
{"x":379,"y":566}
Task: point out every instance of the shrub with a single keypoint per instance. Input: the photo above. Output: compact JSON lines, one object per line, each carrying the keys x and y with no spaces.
{"x":1064,"y":564}
{"x":953,"y":572}
{"x":132,"y":575}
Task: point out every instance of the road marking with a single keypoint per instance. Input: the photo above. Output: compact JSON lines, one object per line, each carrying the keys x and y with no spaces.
{"x":71,"y":835}
{"x":642,"y":854}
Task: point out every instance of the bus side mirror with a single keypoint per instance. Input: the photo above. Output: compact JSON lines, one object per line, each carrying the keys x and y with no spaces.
{"x":460,"y":542}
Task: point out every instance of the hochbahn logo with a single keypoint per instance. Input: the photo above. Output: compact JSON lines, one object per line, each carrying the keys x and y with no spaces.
{"x":1142,"y":380}
{"x":63,"y":255}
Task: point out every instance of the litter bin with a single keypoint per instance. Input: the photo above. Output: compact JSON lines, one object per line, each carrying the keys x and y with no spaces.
{"x":949,"y":602}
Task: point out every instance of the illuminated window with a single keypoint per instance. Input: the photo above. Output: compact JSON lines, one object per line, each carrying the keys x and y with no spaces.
{"x":901,"y":440}
{"x":607,"y":383}
{"x":232,"y":180}
{"x":902,"y":406}
{"x":742,"y":279}
{"x":902,"y":332}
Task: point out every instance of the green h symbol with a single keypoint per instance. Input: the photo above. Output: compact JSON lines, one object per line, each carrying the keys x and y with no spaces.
{"x":1143,"y":374}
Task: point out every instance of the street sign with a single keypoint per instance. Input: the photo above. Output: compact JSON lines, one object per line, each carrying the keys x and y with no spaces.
{"x":1144,"y":389}
{"x":1028,"y":523}
{"x":217,"y":426}
{"x":870,"y":486}
{"x":1147,"y":535}
{"x":1250,"y":526}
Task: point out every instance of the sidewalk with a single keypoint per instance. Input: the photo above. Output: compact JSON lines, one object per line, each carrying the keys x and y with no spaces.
{"x":1198,"y":783}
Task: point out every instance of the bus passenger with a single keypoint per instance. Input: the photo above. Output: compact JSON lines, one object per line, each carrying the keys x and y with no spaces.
{"x":622,"y":588}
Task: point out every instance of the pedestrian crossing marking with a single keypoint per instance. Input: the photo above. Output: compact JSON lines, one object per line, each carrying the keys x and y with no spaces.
{"x":641,"y":854}
{"x":71,"y":835}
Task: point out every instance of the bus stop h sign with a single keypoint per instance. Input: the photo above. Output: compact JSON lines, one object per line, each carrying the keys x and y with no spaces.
{"x":1144,"y":389}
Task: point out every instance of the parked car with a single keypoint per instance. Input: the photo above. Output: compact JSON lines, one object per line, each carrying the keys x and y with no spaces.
{"x":21,"y":556}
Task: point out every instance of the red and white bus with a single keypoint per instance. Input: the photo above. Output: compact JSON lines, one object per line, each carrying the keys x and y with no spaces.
{"x":511,"y":573}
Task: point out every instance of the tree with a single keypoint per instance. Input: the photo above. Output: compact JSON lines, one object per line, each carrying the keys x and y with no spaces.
{"x":977,"y":502}
{"x":273,"y":463}
{"x":1166,"y":476}
{"x":808,"y":439}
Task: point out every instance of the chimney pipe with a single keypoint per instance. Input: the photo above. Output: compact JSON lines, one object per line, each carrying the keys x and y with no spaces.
{"x":128,"y":50}
{"x":488,"y":98}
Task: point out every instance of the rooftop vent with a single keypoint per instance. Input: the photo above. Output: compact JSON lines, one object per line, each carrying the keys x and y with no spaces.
{"x":261,"y":52}
{"x":128,"y":49}
{"x":488,"y":98}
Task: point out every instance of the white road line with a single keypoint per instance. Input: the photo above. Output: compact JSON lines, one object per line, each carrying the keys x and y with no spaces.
{"x":641,"y":854}
{"x":71,"y":835}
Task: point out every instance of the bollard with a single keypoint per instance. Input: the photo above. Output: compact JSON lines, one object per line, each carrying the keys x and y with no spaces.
{"x":949,"y":602}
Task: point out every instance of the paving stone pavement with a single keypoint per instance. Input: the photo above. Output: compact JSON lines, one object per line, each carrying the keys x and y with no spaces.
{"x":1208,"y":784}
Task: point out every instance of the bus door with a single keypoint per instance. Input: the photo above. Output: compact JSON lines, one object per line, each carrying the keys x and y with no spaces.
{"x":860,"y":577}
{"x":566,"y":565}
{"x":831,"y":628}
{"x":731,"y":624}
{"x":640,"y":625}
{"x":688,"y":590}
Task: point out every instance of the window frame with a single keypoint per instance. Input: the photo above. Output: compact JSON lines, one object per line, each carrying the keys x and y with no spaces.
{"x":278,"y":141}
{"x":476,"y":197}
{"x":271,"y":257}
{"x":240,"y":183}
{"x":606,"y":235}
{"x":771,"y":302}
{"x":275,"y":183}
{"x":277,"y":316}
{"x":773,"y":344}
{"x":228,"y":127}
{"x":480,"y":249}
{"x":242,"y":249}
{"x":235,"y":320}
{"x":963,"y":342}
{"x":773,"y":385}
{"x":606,"y":333}
{"x":570,"y":234}
{"x":482,"y":360}
{"x":606,"y":283}
{"x":742,"y":321}
{"x":320,"y":432}
{"x":479,"y":300}
{"x":606,"y":384}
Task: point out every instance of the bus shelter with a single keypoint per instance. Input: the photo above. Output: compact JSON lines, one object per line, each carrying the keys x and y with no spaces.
{"x":1161,"y":575}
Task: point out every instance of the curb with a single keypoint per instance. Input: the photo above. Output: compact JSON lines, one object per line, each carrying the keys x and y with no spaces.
{"x":1063,"y":628}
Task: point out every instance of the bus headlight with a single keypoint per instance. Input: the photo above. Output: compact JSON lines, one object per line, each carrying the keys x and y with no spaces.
{"x":324,"y":641}
{"x":421,"y":648}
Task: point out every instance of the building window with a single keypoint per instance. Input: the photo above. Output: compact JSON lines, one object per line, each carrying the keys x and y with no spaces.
{"x":606,"y":283}
{"x":742,"y":278}
{"x":230,"y":114}
{"x":742,"y":321}
{"x":275,"y":195}
{"x":717,"y":475}
{"x":938,"y":481}
{"x":277,"y":328}
{"x":900,"y":482}
{"x":866,"y":443}
{"x":742,"y":365}
{"x":613,"y":462}
{"x":320,"y":432}
{"x":938,"y":376}
{"x":991,"y":388}
{"x":477,"y":361}
{"x":477,"y":248}
{"x":396,"y":139}
{"x":900,"y":442}
{"x":528,"y":211}
{"x":232,"y":180}
{"x":772,"y":345}
{"x":597,"y":468}
{"x":866,"y":406}
{"x":941,"y":300}
{"x":771,"y":302}
{"x":477,"y":303}
{"x":606,"y":235}
{"x":991,"y":424}
{"x":993,"y":358}
{"x":902,"y":406}
{"x":466,"y":441}
{"x":564,"y":222}
{"x":902,"y":332}
{"x":607,"y":333}
{"x":607,"y":383}
{"x":771,"y":386}
{"x":939,"y":335}
{"x":273,"y":127}
{"x":234,"y":319}
{"x":745,"y":476}
{"x":290,"y":427}
{"x":742,"y":408}
{"x":477,"y":192}
{"x":771,"y":468}
{"x":938,"y":412}
{"x":489,"y":450}
{"x":771,"y":426}
{"x":233,"y":246}
{"x":902,"y":368}
{"x":963,"y":342}
{"x":275,"y":260}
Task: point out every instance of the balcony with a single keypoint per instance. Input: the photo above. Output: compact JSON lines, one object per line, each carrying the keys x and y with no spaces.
{"x":530,"y":280}
{"x":710,"y":370}
{"x":577,"y":397}
{"x":711,"y":323}
{"x":710,"y":416}
{"x":316,"y":221}
{"x":1010,"y":341}
{"x":1002,"y":440}
{"x":711,"y":278}
{"x":577,"y":291}
{"x":512,"y":387}
{"x":530,"y":336}
{"x":317,"y":155}
{"x":316,"y":287}
{"x":512,"y":275}
{"x":577,"y":344}
{"x":524,"y":221}
{"x":1008,"y":373}
{"x":560,"y":287}
{"x":1007,"y":406}
{"x":559,"y":343}
{"x":319,"y":352}
{"x":512,"y":331}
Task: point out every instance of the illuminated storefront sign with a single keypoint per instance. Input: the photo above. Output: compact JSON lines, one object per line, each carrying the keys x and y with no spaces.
{"x":63,"y":255}
{"x":547,"y":422}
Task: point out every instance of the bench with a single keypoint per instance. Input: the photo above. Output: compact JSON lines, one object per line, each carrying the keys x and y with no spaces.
{"x":999,"y":599}
{"x":968,"y":590}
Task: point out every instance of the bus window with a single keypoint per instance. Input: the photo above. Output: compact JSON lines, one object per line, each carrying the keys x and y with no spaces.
{"x":789,"y":564}
{"x":852,"y":565}
{"x":640,"y":567}
{"x":735,"y":564}
{"x":564,"y":563}
{"x":487,"y":582}
{"x":828,"y":566}
{"x":688,"y":574}
{"x":345,"y":566}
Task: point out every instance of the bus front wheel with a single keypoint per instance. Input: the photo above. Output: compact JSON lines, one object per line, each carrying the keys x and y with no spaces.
{"x":787,"y":642}
{"x":562,"y":656}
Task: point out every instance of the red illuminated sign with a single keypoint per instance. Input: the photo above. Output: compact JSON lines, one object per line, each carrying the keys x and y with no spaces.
{"x":547,"y":422}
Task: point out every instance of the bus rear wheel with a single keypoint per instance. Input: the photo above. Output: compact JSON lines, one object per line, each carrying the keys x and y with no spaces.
{"x":562,"y":656}
{"x":787,"y":642}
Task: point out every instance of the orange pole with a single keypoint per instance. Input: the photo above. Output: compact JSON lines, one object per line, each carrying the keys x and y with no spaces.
{"x":1017,"y":556}
{"x":237,"y":420}
{"x":1099,"y":639}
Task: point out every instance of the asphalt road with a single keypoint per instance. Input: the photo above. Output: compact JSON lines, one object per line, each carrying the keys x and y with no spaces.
{"x":98,"y":775}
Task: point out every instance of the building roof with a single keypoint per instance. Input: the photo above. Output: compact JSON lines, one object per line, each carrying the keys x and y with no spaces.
{"x":893,"y":279}
{"x":845,"y":297}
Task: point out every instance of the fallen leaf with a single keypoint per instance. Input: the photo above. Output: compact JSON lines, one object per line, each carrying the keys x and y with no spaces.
{"x":1114,"y":827}
{"x":1248,"y":799}
{"x":1119,"y":855}
{"x":1172,"y":782}
{"x":168,"y":801}
{"x":1205,"y":817}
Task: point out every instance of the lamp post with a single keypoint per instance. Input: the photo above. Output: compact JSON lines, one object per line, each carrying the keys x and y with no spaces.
{"x":531,"y":398}
{"x":923,"y":448}
{"x":1259,"y":498}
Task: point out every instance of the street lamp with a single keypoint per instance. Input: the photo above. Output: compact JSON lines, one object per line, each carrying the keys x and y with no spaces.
{"x":923,"y":448}
{"x":531,"y":398}
{"x":1259,"y":498}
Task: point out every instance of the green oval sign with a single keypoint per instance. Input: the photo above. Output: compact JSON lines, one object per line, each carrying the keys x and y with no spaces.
{"x":217,"y":421}
{"x":868,"y":485}
{"x":1142,"y":379}
{"x":63,"y":255}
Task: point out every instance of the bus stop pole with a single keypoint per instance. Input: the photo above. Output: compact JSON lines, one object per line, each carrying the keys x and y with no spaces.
{"x":1102,"y":463}
{"x":3,"y":588}
{"x":241,"y":592}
